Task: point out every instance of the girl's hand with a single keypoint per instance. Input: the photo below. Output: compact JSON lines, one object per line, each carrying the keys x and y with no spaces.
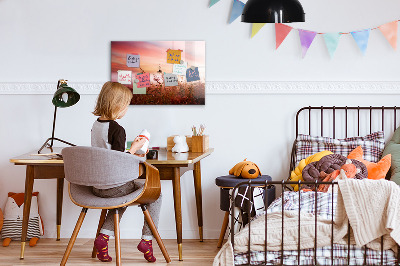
{"x":137,"y":144}
{"x":143,"y":155}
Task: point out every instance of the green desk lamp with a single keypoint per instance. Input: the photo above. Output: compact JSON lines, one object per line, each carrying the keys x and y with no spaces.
{"x":65,"y":96}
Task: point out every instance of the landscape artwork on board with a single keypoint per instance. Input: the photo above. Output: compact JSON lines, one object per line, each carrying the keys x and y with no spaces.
{"x":160,"y":72}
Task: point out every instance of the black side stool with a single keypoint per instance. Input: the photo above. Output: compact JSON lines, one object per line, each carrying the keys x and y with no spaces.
{"x":226,"y":183}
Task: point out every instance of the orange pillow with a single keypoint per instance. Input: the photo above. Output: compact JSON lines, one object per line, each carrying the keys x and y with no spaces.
{"x":375,"y":170}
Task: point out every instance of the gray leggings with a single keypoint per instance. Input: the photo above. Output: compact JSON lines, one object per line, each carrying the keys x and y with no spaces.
{"x":154,"y":208}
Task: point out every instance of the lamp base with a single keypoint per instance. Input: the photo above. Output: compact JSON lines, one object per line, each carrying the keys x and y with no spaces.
{"x":50,"y":146}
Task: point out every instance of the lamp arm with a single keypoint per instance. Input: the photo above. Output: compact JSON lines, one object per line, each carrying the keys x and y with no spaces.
{"x":54,"y":126}
{"x":54,"y":118}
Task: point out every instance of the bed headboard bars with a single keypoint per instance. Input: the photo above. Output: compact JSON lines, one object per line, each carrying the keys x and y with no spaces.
{"x":346,"y":110}
{"x":343,"y":122}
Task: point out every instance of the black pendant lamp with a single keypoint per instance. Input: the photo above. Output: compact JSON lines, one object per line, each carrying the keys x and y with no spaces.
{"x":273,"y":11}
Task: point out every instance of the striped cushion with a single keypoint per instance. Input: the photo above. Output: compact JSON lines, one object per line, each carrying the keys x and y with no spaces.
{"x":13,"y":228}
{"x":372,"y":145}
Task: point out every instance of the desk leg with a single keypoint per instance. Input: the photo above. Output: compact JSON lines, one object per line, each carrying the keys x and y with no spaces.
{"x":199,"y":204}
{"x":27,"y":206}
{"x":60,"y":190}
{"x":176,"y":182}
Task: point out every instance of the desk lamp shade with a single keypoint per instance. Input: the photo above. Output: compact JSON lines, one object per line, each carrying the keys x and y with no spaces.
{"x":273,"y":11}
{"x":64,"y":96}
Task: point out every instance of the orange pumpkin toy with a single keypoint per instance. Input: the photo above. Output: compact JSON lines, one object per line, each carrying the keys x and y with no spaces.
{"x":245,"y":169}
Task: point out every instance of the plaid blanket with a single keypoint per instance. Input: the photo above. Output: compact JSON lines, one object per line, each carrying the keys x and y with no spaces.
{"x":324,"y":257}
{"x":323,"y":205}
{"x":306,"y":201}
{"x":250,"y":201}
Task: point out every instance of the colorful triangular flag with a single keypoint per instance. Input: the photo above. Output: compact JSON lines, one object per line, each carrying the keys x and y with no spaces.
{"x":281,"y":31}
{"x":306,"y":39}
{"x":332,"y":41}
{"x":361,"y":37}
{"x":237,"y":9}
{"x":213,"y":2}
{"x":389,"y":30}
{"x":255,"y":28}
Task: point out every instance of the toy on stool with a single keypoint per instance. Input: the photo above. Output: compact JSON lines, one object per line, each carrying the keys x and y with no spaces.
{"x":245,"y":169}
{"x":13,"y":215}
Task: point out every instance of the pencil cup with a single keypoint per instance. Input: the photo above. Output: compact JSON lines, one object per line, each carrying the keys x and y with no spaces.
{"x":200,"y":143}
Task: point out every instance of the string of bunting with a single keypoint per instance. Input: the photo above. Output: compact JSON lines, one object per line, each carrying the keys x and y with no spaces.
{"x":361,"y":37}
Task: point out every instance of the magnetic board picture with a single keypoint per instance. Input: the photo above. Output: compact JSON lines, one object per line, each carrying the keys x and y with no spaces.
{"x":162,"y":72}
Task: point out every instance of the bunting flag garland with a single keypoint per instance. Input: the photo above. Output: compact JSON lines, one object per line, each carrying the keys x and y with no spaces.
{"x":361,"y":37}
{"x":281,"y":31}
{"x":256,"y":27}
{"x":213,"y":2}
{"x":389,"y":30}
{"x":306,"y":39}
{"x":237,"y":9}
{"x":332,"y":41}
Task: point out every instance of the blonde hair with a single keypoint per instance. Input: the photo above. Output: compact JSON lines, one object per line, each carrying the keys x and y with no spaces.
{"x":112,"y":98}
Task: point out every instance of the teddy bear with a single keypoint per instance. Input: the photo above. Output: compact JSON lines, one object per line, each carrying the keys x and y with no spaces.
{"x":245,"y":169}
{"x":180,"y":144}
{"x":13,"y":215}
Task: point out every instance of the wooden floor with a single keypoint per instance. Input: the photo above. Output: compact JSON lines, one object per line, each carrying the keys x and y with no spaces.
{"x":50,"y":252}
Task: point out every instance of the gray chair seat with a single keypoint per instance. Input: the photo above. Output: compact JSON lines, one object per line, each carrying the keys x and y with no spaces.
{"x":83,"y":196}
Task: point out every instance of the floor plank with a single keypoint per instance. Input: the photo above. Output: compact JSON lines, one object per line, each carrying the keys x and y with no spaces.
{"x":50,"y":252}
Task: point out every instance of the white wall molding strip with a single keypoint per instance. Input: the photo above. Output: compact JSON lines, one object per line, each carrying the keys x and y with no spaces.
{"x":232,"y":87}
{"x":304,"y":87}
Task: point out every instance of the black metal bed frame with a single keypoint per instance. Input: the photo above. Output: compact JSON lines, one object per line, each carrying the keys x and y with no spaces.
{"x":283,"y":184}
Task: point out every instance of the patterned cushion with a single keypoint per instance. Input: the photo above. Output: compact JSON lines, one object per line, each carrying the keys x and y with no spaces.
{"x":372,"y":144}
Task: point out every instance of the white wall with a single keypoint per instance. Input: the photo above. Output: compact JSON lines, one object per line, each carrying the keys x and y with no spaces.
{"x":42,"y":41}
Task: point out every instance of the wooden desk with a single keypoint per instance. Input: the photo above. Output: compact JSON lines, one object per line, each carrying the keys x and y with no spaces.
{"x":171,"y":167}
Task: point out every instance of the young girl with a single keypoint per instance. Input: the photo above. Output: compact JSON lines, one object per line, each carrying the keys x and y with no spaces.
{"x":112,"y":104}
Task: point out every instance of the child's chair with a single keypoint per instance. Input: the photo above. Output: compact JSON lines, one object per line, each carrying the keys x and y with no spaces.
{"x":85,"y":167}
